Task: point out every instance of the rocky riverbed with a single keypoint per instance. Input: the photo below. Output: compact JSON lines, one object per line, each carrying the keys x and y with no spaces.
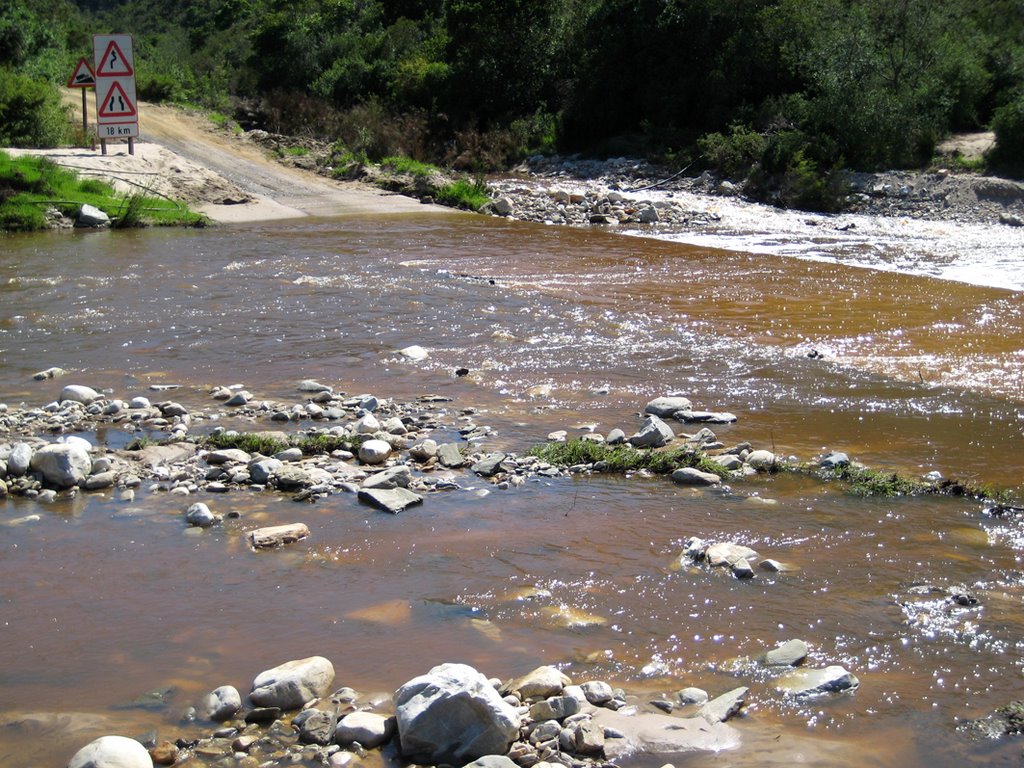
{"x":629,"y":191}
{"x":577,"y":191}
{"x":397,"y":455}
{"x":454,"y":715}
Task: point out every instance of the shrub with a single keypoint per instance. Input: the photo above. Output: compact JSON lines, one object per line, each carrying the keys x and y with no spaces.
{"x":735,"y":154}
{"x":31,"y":114}
{"x":1008,"y":124}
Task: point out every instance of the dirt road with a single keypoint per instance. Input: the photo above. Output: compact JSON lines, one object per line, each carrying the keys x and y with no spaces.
{"x":182,"y":155}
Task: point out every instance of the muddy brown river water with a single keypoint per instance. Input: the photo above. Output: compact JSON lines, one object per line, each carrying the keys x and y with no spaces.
{"x":559,"y":328}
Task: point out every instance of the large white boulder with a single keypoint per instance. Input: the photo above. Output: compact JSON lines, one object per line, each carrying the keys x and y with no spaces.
{"x":112,"y":752}
{"x":293,"y":683}
{"x":453,"y":715}
{"x":79,"y":393}
{"x":62,"y":465}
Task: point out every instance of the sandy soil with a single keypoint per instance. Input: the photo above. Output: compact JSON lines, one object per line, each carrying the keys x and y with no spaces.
{"x":183,"y":156}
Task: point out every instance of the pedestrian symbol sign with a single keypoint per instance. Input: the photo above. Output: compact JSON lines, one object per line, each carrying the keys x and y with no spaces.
{"x":82,"y":77}
{"x":116,"y":103}
{"x":114,"y":63}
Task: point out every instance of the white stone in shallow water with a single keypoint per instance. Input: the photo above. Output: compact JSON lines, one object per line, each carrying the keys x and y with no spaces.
{"x":368,"y":728}
{"x":761,"y":460}
{"x":91,"y":216}
{"x":374,"y":451}
{"x":544,"y":681}
{"x":692,"y":476}
{"x":293,"y":683}
{"x":453,"y":714}
{"x":221,"y":704}
{"x":416,"y":353}
{"x":78,"y":393}
{"x":62,"y":466}
{"x":200,"y":515}
{"x":112,"y":752}
{"x":666,"y":406}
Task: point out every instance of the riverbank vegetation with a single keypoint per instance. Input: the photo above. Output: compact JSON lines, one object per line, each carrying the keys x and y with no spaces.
{"x":785,"y":94}
{"x":30,"y":187}
{"x":858,"y":480}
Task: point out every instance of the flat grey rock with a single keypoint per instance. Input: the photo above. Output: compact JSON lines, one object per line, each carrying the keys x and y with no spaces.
{"x":790,"y":654}
{"x":657,"y":734}
{"x":393,"y":500}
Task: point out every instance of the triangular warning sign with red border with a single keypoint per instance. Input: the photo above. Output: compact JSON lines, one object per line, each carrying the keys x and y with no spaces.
{"x":116,"y":103}
{"x":83,"y":76}
{"x":114,"y":63}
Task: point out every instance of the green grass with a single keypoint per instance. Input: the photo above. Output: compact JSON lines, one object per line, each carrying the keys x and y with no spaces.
{"x":257,"y":442}
{"x":960,"y":164}
{"x":408,"y":165}
{"x":860,"y":481}
{"x":250,"y":442}
{"x":863,"y":481}
{"x":294,"y":151}
{"x":624,"y":458}
{"x":471,"y":195}
{"x":29,"y":185}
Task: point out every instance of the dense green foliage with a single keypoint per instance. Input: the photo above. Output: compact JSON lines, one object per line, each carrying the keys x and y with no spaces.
{"x":29,"y":185}
{"x":783,"y":93}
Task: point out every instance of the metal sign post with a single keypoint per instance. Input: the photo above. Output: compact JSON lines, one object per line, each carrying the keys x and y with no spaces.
{"x":84,"y":79}
{"x":117,"y":116}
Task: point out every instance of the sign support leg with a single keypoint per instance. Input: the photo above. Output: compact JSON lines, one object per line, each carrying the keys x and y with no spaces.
{"x":85,"y":114}
{"x":131,"y":146}
{"x":103,"y":146}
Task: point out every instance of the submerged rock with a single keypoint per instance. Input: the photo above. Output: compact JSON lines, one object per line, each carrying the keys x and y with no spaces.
{"x":658,"y":734}
{"x":692,"y":476}
{"x":790,"y":654}
{"x":813,"y":682}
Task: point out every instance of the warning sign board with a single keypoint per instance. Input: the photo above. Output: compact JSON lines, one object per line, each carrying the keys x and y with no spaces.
{"x":117,"y":114}
{"x":83,"y":76}
{"x":117,"y":103}
{"x":116,"y":60}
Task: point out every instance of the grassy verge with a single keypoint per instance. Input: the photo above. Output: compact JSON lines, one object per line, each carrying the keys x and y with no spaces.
{"x":30,"y":185}
{"x":471,"y":195}
{"x":408,"y":165}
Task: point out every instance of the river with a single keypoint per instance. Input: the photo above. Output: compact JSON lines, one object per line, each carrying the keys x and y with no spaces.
{"x":559,"y":328}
